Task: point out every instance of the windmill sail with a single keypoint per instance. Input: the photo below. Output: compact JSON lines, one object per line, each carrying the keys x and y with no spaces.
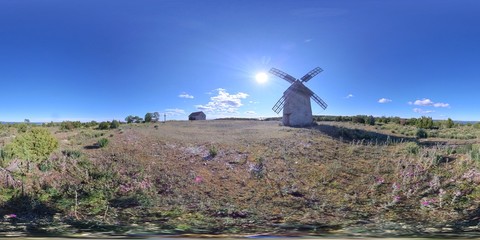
{"x":318,"y":100}
{"x":279,"y":105}
{"x":282,"y":75}
{"x":311,"y":74}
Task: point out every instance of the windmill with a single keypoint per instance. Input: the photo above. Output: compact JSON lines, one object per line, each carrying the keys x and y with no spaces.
{"x":295,"y":102}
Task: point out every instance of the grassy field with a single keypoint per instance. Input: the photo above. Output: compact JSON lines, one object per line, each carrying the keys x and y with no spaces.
{"x":244,"y":177}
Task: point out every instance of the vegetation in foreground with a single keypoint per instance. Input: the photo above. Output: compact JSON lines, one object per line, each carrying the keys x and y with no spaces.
{"x":238,"y":177}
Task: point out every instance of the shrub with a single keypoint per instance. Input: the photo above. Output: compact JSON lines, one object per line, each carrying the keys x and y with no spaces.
{"x":72,"y":153}
{"x":421,"y":133}
{"x":103,"y":142}
{"x":69,"y":125}
{"x":104,"y":125}
{"x":358,"y":119}
{"x":449,"y":123}
{"x":412,"y":148}
{"x":3,"y":156}
{"x":35,"y":145}
{"x":114,"y":124}
{"x":370,"y":120}
{"x":90,"y":124}
{"x":257,"y":169}
{"x":475,"y":153}
{"x":22,"y":127}
{"x":148,"y":117}
{"x":425,"y":122}
{"x":213,"y":151}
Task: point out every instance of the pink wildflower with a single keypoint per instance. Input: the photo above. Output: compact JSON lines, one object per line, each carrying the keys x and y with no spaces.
{"x":198,"y":179}
{"x":380,"y":180}
{"x":11,"y":215}
{"x":427,"y":202}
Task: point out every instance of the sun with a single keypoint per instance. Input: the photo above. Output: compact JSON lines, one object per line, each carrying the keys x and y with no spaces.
{"x":261,"y":77}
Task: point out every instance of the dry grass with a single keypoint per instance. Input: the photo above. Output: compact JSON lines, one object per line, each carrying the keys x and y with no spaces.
{"x":262,"y":177}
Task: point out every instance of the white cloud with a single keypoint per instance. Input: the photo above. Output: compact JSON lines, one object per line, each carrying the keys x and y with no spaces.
{"x":428,"y":103}
{"x":224,"y":102}
{"x":423,"y":102}
{"x":384,"y":100}
{"x":174,"y":111}
{"x":444,"y":105}
{"x":185,"y":95}
{"x":349,"y":96}
{"x":421,"y":111}
{"x":250,"y":112}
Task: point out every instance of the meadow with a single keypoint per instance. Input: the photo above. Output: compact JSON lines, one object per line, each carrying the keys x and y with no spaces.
{"x":239,"y":177}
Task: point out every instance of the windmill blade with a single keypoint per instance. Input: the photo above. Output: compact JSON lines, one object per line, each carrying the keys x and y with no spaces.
{"x":311,"y":74}
{"x":279,"y":105}
{"x":319,"y":101}
{"x":282,"y":74}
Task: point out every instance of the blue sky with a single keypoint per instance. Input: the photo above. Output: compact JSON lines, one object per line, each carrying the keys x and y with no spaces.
{"x":107,"y":59}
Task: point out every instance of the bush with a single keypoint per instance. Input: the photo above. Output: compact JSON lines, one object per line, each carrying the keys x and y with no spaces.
{"x":412,"y":148}
{"x":114,"y":124}
{"x":449,"y":123}
{"x":358,"y":119}
{"x":425,"y":122}
{"x":103,"y":142}
{"x":213,"y":151}
{"x":148,"y":117}
{"x":22,"y":127}
{"x":72,"y":153}
{"x":35,"y":145}
{"x":370,"y":120}
{"x":68,"y":125}
{"x":421,"y":133}
{"x":104,"y":125}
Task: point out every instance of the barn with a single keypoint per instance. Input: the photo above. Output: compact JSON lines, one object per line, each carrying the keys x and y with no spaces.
{"x":197,"y":116}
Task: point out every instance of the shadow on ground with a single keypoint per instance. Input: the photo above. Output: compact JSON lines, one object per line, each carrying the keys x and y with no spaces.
{"x":471,"y":222}
{"x":90,"y":147}
{"x":26,"y":214}
{"x":349,"y":135}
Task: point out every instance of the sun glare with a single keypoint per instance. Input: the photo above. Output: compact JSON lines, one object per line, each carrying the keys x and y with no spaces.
{"x":261,"y":77}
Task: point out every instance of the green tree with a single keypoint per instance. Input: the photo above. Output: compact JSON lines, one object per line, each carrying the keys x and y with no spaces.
{"x":114,"y":124}
{"x":148,"y":117}
{"x":130,"y":119}
{"x":155,"y":117}
{"x":370,"y":120}
{"x":449,"y":123}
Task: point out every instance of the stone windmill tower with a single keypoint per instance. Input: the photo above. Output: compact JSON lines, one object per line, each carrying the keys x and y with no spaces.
{"x":295,"y":102}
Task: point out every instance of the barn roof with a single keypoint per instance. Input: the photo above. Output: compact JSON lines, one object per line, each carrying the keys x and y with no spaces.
{"x":196,"y":113}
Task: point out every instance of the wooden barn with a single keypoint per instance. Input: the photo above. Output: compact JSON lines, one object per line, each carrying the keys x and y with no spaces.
{"x":197,"y":116}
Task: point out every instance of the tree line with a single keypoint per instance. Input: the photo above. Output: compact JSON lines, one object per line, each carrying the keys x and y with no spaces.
{"x":422,"y":122}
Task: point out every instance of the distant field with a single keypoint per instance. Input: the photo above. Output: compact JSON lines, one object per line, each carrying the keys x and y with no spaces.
{"x":245,"y":177}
